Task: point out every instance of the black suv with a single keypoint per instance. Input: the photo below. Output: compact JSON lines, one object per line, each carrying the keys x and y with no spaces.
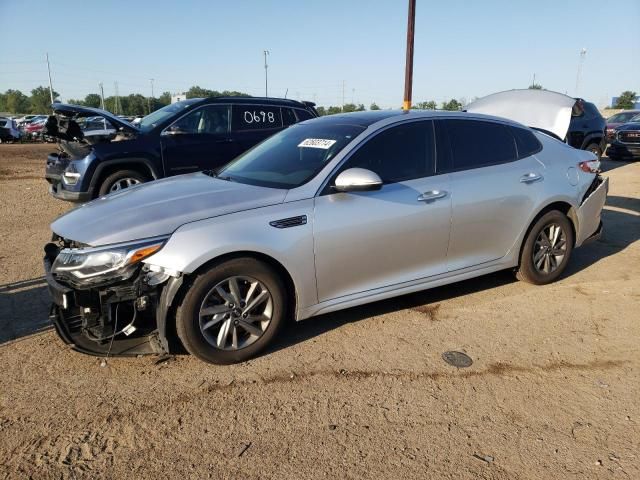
{"x":188,"y":136}
{"x":587,"y":130}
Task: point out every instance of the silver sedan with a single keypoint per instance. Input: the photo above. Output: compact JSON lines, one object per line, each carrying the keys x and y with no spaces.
{"x":327,"y":214}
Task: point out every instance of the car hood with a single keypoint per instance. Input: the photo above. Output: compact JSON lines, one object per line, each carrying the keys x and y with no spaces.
{"x":160,"y":207}
{"x":629,"y":126}
{"x":69,"y":110}
{"x":542,"y":109}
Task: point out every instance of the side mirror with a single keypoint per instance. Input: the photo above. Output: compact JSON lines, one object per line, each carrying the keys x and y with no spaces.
{"x":172,"y":130}
{"x":357,"y":180}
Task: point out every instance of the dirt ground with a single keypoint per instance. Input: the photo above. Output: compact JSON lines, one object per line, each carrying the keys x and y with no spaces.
{"x":553,"y":391}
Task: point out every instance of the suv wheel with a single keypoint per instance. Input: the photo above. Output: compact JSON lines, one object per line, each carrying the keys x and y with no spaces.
{"x":232,"y":312}
{"x":120,"y":180}
{"x":595,"y":148}
{"x":546,"y":249}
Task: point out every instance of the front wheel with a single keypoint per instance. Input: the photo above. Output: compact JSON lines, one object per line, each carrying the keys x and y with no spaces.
{"x":546,"y":249}
{"x":595,"y":148}
{"x":120,"y":180}
{"x":232,"y":312}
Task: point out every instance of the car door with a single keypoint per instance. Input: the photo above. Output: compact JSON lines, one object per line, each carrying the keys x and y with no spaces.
{"x":493,"y":192}
{"x":199,"y":140}
{"x":370,"y":240}
{"x":252,"y":123}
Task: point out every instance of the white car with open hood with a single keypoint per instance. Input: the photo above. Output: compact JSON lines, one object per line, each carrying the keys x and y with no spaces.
{"x":327,"y":214}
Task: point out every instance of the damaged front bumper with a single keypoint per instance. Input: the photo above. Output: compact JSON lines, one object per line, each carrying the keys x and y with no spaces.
{"x":127,"y":318}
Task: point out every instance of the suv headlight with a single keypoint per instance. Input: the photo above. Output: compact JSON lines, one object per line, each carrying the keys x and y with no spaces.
{"x":95,"y":265}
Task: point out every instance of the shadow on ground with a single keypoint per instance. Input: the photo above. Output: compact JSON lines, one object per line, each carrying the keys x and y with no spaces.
{"x":24,"y":309}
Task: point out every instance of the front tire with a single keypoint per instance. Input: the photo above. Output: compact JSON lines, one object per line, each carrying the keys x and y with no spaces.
{"x":232,"y":312}
{"x":120,"y":180}
{"x":546,"y":249}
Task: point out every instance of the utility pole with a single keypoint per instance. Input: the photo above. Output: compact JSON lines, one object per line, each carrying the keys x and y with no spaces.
{"x":50,"y":85}
{"x":266,"y":82}
{"x":152,"y":96}
{"x":583,"y":53}
{"x":343,"y":95}
{"x":101,"y":95}
{"x":115,"y":84}
{"x":408,"y":71}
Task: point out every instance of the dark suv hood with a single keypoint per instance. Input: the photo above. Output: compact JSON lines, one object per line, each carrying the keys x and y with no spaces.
{"x":629,"y":126}
{"x":160,"y":207}
{"x":68,"y":110}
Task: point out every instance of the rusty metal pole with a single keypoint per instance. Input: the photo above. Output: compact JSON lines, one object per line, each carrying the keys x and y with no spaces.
{"x":408,"y":71}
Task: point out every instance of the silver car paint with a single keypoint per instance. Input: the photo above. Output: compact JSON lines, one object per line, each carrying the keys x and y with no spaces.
{"x":343,"y":255}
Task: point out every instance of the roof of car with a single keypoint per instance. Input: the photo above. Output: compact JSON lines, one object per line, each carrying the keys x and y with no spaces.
{"x":368,"y":118}
{"x":261,"y":100}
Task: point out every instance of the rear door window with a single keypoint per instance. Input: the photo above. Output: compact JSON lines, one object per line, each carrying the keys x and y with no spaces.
{"x":255,"y":117}
{"x":210,"y":119}
{"x":288,"y":117}
{"x":526,"y":142}
{"x":476,"y":143}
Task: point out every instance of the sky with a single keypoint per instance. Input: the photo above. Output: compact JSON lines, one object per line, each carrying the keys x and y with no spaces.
{"x":463,"y":49}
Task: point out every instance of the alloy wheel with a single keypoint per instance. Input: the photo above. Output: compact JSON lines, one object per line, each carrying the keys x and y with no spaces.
{"x":235,"y":313}
{"x":549,"y":249}
{"x":124,"y":183}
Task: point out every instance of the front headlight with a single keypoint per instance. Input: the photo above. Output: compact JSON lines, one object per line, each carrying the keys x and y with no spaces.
{"x":94,"y":265}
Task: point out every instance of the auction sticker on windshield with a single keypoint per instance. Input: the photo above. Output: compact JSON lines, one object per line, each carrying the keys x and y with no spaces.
{"x":317,"y":143}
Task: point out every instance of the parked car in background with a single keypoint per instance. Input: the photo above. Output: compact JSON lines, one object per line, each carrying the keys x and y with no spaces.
{"x":20,"y":121}
{"x":587,"y":130}
{"x":188,"y":136}
{"x":620,"y":118}
{"x":29,"y":119}
{"x":8,"y":130}
{"x":35,"y":128}
{"x":625,"y":145}
{"x":328,"y":214}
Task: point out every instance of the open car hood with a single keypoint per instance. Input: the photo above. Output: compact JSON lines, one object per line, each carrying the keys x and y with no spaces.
{"x":541,"y":109}
{"x":73,"y":111}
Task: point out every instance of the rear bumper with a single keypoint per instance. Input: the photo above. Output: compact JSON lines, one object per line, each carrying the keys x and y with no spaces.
{"x":597,"y":235}
{"x":589,"y":213}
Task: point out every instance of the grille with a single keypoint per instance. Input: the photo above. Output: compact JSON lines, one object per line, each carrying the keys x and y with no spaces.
{"x":629,"y":136}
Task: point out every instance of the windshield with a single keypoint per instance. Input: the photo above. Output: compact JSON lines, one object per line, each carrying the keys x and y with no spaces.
{"x":623,"y":117}
{"x":155,"y":118}
{"x":292,"y":157}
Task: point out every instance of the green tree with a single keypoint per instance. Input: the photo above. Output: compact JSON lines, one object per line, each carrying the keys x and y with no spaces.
{"x":164,"y":99}
{"x":452,"y":105}
{"x":352,"y":107}
{"x":333,"y":110}
{"x":430,"y":105}
{"x":535,"y":86}
{"x":321,"y":111}
{"x":92,"y":100}
{"x":626,"y":100}
{"x":374,"y":106}
{"x":40,"y":100}
{"x":16,"y":102}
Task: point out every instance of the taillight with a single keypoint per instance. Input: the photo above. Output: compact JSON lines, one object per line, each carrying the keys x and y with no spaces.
{"x":592,"y":166}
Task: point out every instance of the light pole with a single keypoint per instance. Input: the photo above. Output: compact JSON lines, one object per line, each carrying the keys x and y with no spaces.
{"x":50,"y":84}
{"x":149,"y":100}
{"x":583,"y":53}
{"x":266,"y":81}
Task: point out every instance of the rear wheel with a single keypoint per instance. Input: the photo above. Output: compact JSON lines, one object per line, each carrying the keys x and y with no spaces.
{"x":547,"y":249}
{"x":120,"y":180}
{"x":232,"y":312}
{"x":595,"y":148}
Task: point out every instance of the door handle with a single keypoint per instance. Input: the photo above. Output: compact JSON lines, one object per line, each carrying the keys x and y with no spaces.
{"x":432,"y":195}
{"x":531,"y":177}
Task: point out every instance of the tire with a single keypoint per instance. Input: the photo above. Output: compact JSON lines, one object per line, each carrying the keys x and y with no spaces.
{"x":533,"y":247}
{"x":121,"y":177}
{"x":214,"y":344}
{"x":595,"y":148}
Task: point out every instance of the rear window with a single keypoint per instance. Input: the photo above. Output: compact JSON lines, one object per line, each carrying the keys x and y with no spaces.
{"x":255,"y":117}
{"x":476,"y":144}
{"x":526,"y":142}
{"x":303,"y":115}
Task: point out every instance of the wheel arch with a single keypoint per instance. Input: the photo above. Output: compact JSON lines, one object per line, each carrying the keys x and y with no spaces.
{"x":106,"y":168}
{"x":560,"y":205}
{"x":169,"y":326}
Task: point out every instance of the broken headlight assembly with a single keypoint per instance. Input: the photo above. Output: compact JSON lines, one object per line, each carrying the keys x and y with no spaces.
{"x":86,"y":267}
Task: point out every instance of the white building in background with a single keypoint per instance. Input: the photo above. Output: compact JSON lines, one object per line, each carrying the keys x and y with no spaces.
{"x":178,"y":97}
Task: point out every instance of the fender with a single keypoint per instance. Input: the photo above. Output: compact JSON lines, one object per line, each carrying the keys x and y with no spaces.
{"x":155,"y":174}
{"x":593,"y":137}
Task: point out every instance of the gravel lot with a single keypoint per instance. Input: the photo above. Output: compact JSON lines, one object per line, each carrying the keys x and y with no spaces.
{"x":552,"y":393}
